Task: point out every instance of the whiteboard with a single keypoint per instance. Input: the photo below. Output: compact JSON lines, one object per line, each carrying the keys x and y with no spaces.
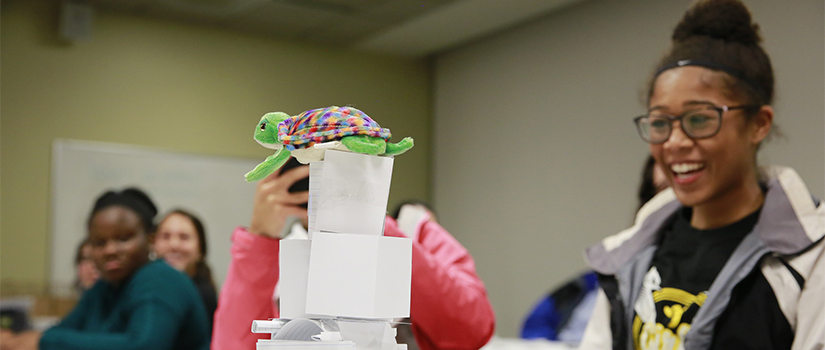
{"x":211,"y":187}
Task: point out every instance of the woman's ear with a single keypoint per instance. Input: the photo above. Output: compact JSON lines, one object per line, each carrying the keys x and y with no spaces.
{"x":761,"y":124}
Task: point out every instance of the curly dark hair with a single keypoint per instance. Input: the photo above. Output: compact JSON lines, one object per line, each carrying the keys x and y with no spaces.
{"x":720,"y":35}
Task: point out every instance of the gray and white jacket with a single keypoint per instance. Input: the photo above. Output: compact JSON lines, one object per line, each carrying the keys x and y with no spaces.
{"x":785,"y":245}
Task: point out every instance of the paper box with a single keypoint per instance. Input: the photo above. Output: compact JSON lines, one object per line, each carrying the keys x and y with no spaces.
{"x":348,"y":193}
{"x":362,"y":276}
{"x":293,"y":263}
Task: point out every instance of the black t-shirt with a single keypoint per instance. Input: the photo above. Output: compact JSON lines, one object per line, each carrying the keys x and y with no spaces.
{"x":687,"y":261}
{"x":690,"y":258}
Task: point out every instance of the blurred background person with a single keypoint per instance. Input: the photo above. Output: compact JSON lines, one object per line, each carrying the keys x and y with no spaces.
{"x":653,"y":181}
{"x":449,"y":307}
{"x":86,"y":273}
{"x":136,"y":303}
{"x":180,"y":240}
{"x":409,"y":214}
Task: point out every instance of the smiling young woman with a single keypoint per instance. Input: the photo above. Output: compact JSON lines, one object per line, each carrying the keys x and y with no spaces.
{"x":731,"y":256}
{"x":716,"y":175}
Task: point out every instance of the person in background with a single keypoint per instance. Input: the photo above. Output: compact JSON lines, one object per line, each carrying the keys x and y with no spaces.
{"x":416,"y":206}
{"x":563,"y":314}
{"x":136,"y":304}
{"x":653,"y":181}
{"x":731,"y":256}
{"x":86,"y":274}
{"x":180,"y":240}
{"x":449,"y":308}
{"x":15,"y":320}
{"x":408,"y":214}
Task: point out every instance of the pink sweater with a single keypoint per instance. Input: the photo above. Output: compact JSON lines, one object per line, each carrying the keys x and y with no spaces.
{"x":449,"y":308}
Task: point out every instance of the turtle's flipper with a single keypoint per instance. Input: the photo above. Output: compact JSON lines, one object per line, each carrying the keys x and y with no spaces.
{"x":394,"y":149}
{"x":268,"y":166}
{"x":365,"y":144}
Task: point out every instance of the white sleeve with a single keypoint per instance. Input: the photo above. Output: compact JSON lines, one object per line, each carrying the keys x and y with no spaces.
{"x":597,"y":335}
{"x":810,"y":322}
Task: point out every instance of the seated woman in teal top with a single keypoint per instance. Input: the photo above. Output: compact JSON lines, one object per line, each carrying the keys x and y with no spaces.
{"x":137,"y":304}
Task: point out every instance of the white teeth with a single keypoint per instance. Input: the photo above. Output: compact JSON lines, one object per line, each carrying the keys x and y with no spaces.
{"x":682,"y":168}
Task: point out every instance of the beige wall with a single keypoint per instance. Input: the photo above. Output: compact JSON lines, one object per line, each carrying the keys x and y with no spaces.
{"x":535,"y":154}
{"x":176,"y":87}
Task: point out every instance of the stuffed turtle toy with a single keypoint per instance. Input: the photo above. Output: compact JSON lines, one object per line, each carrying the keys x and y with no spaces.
{"x":309,"y":134}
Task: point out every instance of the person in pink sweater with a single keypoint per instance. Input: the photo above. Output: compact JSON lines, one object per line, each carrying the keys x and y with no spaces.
{"x":449,"y":307}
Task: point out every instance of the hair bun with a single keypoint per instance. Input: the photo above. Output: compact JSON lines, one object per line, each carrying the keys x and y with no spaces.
{"x":727,"y":20}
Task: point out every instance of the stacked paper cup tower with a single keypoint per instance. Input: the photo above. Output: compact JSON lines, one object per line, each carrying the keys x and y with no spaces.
{"x":345,"y":284}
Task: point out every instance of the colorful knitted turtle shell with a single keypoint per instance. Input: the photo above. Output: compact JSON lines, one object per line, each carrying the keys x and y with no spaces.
{"x":327,"y":124}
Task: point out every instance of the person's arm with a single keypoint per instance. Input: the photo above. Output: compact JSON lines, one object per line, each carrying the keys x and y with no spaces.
{"x":449,"y":308}
{"x":247,"y":291}
{"x":253,"y":271}
{"x":73,"y":321}
{"x":76,"y":317}
{"x":152,"y":325}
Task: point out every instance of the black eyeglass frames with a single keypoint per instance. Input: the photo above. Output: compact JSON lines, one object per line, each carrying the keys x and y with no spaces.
{"x":703,"y":122}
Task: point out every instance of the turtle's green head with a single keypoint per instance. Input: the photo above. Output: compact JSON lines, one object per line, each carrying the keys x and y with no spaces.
{"x":266,"y":132}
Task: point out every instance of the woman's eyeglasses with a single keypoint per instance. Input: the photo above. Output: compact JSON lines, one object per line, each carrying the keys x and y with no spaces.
{"x":655,"y":127}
